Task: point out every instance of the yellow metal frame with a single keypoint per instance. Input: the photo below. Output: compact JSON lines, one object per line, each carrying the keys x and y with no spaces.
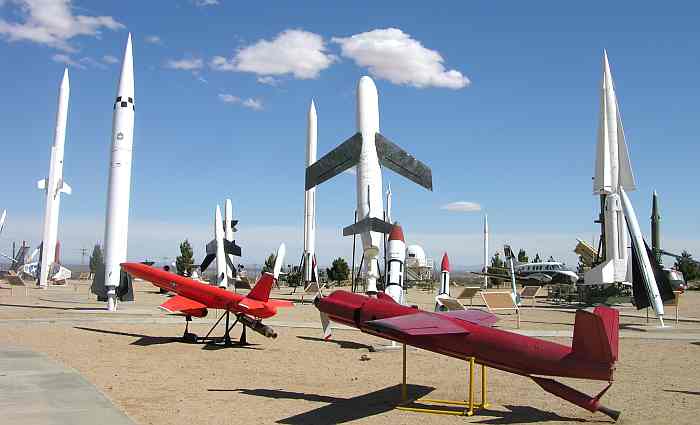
{"x":469,"y":404}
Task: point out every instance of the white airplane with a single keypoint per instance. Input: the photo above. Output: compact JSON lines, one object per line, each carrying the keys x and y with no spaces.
{"x":368,"y":149}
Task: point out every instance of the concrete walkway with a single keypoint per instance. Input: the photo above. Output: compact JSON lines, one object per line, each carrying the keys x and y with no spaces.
{"x":37,"y":391}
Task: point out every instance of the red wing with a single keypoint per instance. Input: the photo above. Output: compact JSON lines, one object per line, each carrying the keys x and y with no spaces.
{"x":180,"y":304}
{"x":419,"y":324}
{"x":280,"y":303}
{"x":479,"y":317}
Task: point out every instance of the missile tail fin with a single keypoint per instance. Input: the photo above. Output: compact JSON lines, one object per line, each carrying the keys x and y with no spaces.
{"x":41,"y":184}
{"x":369,"y":224}
{"x":401,"y":162}
{"x":596,"y":335}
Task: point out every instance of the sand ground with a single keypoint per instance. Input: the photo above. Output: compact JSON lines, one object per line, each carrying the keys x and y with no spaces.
{"x":135,"y":357}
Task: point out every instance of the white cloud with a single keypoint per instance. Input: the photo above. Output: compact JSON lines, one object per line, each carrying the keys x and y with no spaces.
{"x":462,"y":206}
{"x":61,"y":58}
{"x":52,"y":23}
{"x":299,"y":53}
{"x":153,"y":39}
{"x":185,"y":64}
{"x":269,"y":80}
{"x":203,"y":3}
{"x":109,"y":59}
{"x":250,"y":103}
{"x":393,"y":55}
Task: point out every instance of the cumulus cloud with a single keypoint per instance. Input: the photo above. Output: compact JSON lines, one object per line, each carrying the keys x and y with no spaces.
{"x":153,"y":39}
{"x":66,"y":59}
{"x":268,"y":80}
{"x":462,"y":206}
{"x":185,"y":64}
{"x":52,"y":23}
{"x":203,"y":3}
{"x":393,"y":55}
{"x":250,"y":103}
{"x":109,"y":59}
{"x":300,"y":53}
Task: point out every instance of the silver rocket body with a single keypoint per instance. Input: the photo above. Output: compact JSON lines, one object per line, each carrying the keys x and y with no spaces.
{"x":54,"y":185}
{"x":119,"y":188}
{"x":310,"y":198}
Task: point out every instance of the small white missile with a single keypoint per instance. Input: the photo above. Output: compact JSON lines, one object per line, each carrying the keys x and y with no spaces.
{"x":119,"y":189}
{"x":396,"y":257}
{"x":486,"y":250}
{"x":2,"y":220}
{"x":54,"y":185}
{"x":310,"y":200}
{"x":228,"y":234}
{"x":444,"y":282}
{"x":220,"y":253}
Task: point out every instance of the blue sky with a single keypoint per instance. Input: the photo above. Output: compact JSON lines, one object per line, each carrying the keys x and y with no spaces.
{"x":507,"y":120}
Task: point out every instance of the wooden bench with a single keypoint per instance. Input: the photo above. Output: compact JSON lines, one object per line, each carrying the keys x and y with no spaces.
{"x":498,"y":301}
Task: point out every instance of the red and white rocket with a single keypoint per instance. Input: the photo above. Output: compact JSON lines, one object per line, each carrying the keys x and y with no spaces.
{"x":444,"y":282}
{"x":396,"y":257}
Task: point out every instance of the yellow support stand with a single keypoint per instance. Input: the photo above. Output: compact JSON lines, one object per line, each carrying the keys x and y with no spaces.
{"x":469,"y":404}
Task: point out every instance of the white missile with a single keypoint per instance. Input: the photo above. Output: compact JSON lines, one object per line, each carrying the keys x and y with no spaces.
{"x":220,"y":253}
{"x":367,"y":149}
{"x":444,"y":282}
{"x":54,"y":185}
{"x":228,"y":234}
{"x":388,"y":203}
{"x":2,"y":220}
{"x":640,"y":248}
{"x":396,"y":257}
{"x":119,"y":189}
{"x":612,"y":173}
{"x":486,"y":250}
{"x":310,"y":200}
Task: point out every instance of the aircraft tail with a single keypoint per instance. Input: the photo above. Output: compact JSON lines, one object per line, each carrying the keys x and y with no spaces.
{"x":262,"y":288}
{"x":596,"y":335}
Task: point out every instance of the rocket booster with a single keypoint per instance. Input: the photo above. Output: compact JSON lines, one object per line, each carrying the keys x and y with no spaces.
{"x":54,"y":185}
{"x":396,"y":257}
{"x":117,"y":222}
{"x":310,"y":198}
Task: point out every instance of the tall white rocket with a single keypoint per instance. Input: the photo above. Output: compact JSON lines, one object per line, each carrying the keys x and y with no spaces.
{"x":228,"y":234}
{"x":54,"y":185}
{"x":119,"y":189}
{"x":486,"y":250}
{"x":310,"y":197}
{"x":613,"y":172}
{"x":221,"y":268}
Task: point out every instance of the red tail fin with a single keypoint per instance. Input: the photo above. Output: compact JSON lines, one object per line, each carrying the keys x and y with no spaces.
{"x":596,"y":334}
{"x":262,"y":288}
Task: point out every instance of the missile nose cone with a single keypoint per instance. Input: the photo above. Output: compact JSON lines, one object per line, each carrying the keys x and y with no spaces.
{"x":312,"y":109}
{"x":217,"y":214}
{"x":396,"y":233}
{"x":366,"y":85}
{"x":126,"y":79}
{"x":607,"y":75}
{"x":445,"y":266}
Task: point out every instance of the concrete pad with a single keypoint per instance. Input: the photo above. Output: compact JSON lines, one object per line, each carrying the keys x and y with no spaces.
{"x":37,"y":391}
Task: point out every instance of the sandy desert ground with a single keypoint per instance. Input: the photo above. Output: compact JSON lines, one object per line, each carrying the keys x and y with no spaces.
{"x":135,"y":357}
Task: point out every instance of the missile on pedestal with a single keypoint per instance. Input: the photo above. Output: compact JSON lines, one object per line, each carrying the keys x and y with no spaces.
{"x":309,"y":266}
{"x":54,"y":185}
{"x":444,"y":283}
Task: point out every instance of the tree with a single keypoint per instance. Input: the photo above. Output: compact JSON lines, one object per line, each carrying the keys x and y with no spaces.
{"x":96,"y":258}
{"x":339,"y":270}
{"x":269,"y":263}
{"x":496,"y":261}
{"x":537,"y":258}
{"x":689,"y":268}
{"x":185,"y":261}
{"x":522,"y":256}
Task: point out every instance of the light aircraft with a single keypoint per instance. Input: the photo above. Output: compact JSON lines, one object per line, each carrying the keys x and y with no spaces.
{"x":468,"y":333}
{"x":194,"y":298}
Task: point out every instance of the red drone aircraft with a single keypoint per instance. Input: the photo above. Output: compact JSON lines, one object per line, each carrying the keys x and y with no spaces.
{"x":194,"y":298}
{"x":468,"y":333}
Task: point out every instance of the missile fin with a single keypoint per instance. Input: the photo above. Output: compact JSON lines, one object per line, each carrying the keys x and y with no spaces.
{"x":401,"y":162}
{"x":334,"y":162}
{"x":231,"y":248}
{"x":369,"y":224}
{"x":65,"y":188}
{"x":207,"y":260}
{"x":41,"y":184}
{"x":626,"y":178}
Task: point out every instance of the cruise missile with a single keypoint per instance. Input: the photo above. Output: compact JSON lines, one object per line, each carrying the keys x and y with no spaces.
{"x":367,"y":149}
{"x":486,"y":250}
{"x":444,"y":282}
{"x":310,"y":201}
{"x":54,"y":185}
{"x":119,"y":188}
{"x":396,"y":257}
{"x":612,"y":173}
